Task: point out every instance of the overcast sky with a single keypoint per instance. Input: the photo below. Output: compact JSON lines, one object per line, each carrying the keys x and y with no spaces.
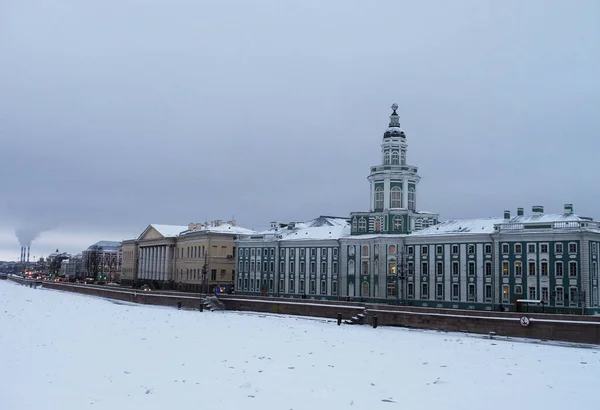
{"x":118,"y":113}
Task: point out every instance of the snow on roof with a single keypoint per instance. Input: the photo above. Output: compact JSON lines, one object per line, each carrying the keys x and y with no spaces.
{"x":223,"y":228}
{"x":106,"y":244}
{"x":460,"y":227}
{"x":546,"y":218}
{"x":169,"y":231}
{"x":323,"y":227}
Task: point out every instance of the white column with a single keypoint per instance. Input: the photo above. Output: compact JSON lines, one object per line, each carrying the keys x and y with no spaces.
{"x":151,"y":263}
{"x":169,"y":263}
{"x":405,"y":193}
{"x":163,"y":274}
{"x":154,"y":262}
{"x":144,"y":262}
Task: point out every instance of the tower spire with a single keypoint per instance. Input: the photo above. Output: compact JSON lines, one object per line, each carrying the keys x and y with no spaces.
{"x":394,"y":118}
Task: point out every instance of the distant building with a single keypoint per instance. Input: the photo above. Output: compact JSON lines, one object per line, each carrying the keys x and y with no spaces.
{"x":101,"y":261}
{"x":395,"y":254}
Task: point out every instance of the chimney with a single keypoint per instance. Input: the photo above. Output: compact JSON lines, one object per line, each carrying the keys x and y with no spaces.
{"x":218,"y":222}
{"x":520,"y":212}
{"x":191,"y":227}
{"x":507,"y":214}
{"x":537,"y":209}
{"x":568,"y":209}
{"x":28,"y":254}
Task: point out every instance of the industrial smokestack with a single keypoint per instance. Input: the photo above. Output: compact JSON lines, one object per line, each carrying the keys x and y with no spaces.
{"x":21,"y":257}
{"x":28,"y":253}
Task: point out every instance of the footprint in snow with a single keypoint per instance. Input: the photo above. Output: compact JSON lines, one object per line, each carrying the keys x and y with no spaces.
{"x":388,"y":401}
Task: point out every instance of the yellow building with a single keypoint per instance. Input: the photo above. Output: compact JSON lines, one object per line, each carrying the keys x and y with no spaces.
{"x":197,"y":257}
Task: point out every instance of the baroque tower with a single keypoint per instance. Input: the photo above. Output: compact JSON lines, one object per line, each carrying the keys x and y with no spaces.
{"x":393,"y":197}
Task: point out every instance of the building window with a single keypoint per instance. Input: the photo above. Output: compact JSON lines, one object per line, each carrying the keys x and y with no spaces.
{"x":439,"y":291}
{"x":365,"y":251}
{"x":395,"y":197}
{"x":282,"y":253}
{"x":572,"y":247}
{"x":559,"y":297}
{"x":558,"y":248}
{"x":505,"y":268}
{"x":505,"y":293}
{"x":572,"y":269}
{"x":545,"y":294}
{"x":455,"y":268}
{"x":323,"y":267}
{"x":454,"y":249}
{"x":424,"y":268}
{"x":505,"y":248}
{"x":213,"y":274}
{"x":323,"y":287}
{"x":323,"y":253}
{"x":531,"y":247}
{"x":292,"y":288}
{"x":391,"y":288}
{"x":378,"y":198}
{"x":488,"y":293}
{"x":362,"y":225}
{"x":531,"y":268}
{"x":281,"y":285}
{"x":351,"y":268}
{"x":335,"y":252}
{"x":265,"y":267}
{"x":488,"y":249}
{"x":365,"y":289}
{"x":313,"y":287}
{"x":518,"y":289}
{"x":424,"y":291}
{"x":410,"y":250}
{"x":558,"y":269}
{"x":303,"y":267}
{"x":411,"y":268}
{"x":573,"y":296}
{"x":246,"y":252}
{"x":313,"y":268}
{"x":302,"y":286}
{"x":386,"y":157}
{"x":440,"y":269}
{"x":410,"y":290}
{"x":272,"y":252}
{"x":518,"y":268}
{"x":518,"y":248}
{"x":313,"y":252}
{"x":471,"y":268}
{"x":292,"y":268}
{"x":395,"y":158}
{"x":488,"y":269}
{"x":365,"y":267}
{"x":392,"y":269}
{"x":354,"y":224}
{"x":471,"y":249}
{"x":544,"y":248}
{"x":334,"y":268}
{"x":392,"y":250}
{"x":398,"y":223}
{"x":471,"y":292}
{"x":292,"y":253}
{"x":439,"y":249}
{"x":351,"y":250}
{"x":544,"y":268}
{"x":411,"y":199}
{"x":455,"y":291}
{"x":532,"y":292}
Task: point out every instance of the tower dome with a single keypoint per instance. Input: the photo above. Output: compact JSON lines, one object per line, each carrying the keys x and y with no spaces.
{"x":394,"y":126}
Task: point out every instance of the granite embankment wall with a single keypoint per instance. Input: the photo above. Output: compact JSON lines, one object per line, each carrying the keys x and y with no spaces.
{"x":566,"y":328}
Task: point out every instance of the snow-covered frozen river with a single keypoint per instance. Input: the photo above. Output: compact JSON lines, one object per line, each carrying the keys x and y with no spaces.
{"x":72,"y":352}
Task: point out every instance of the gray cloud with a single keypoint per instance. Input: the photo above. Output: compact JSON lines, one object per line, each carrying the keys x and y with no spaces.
{"x":121,"y":114}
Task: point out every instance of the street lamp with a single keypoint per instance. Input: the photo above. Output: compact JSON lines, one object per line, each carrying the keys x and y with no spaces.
{"x":401,"y":275}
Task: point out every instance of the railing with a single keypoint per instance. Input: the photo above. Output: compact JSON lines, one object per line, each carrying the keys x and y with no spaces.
{"x":381,"y":168}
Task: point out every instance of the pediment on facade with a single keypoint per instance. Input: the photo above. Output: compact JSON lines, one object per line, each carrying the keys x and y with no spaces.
{"x":150,"y":233}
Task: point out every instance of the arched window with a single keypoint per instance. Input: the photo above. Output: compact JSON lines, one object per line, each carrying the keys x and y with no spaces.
{"x":351,"y":250}
{"x":377,"y":225}
{"x":362,"y":225}
{"x":376,"y":267}
{"x":365,"y":250}
{"x":354,"y":224}
{"x":395,"y":158}
{"x":378,"y":198}
{"x":365,"y":289}
{"x":386,"y":157}
{"x":398,"y":223}
{"x":396,"y":197}
{"x":351,"y":267}
{"x":392,"y":249}
{"x":403,"y":158}
{"x":411,"y":199}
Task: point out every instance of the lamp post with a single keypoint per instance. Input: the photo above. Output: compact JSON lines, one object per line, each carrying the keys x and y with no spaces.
{"x":204,"y":272}
{"x":401,"y":275}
